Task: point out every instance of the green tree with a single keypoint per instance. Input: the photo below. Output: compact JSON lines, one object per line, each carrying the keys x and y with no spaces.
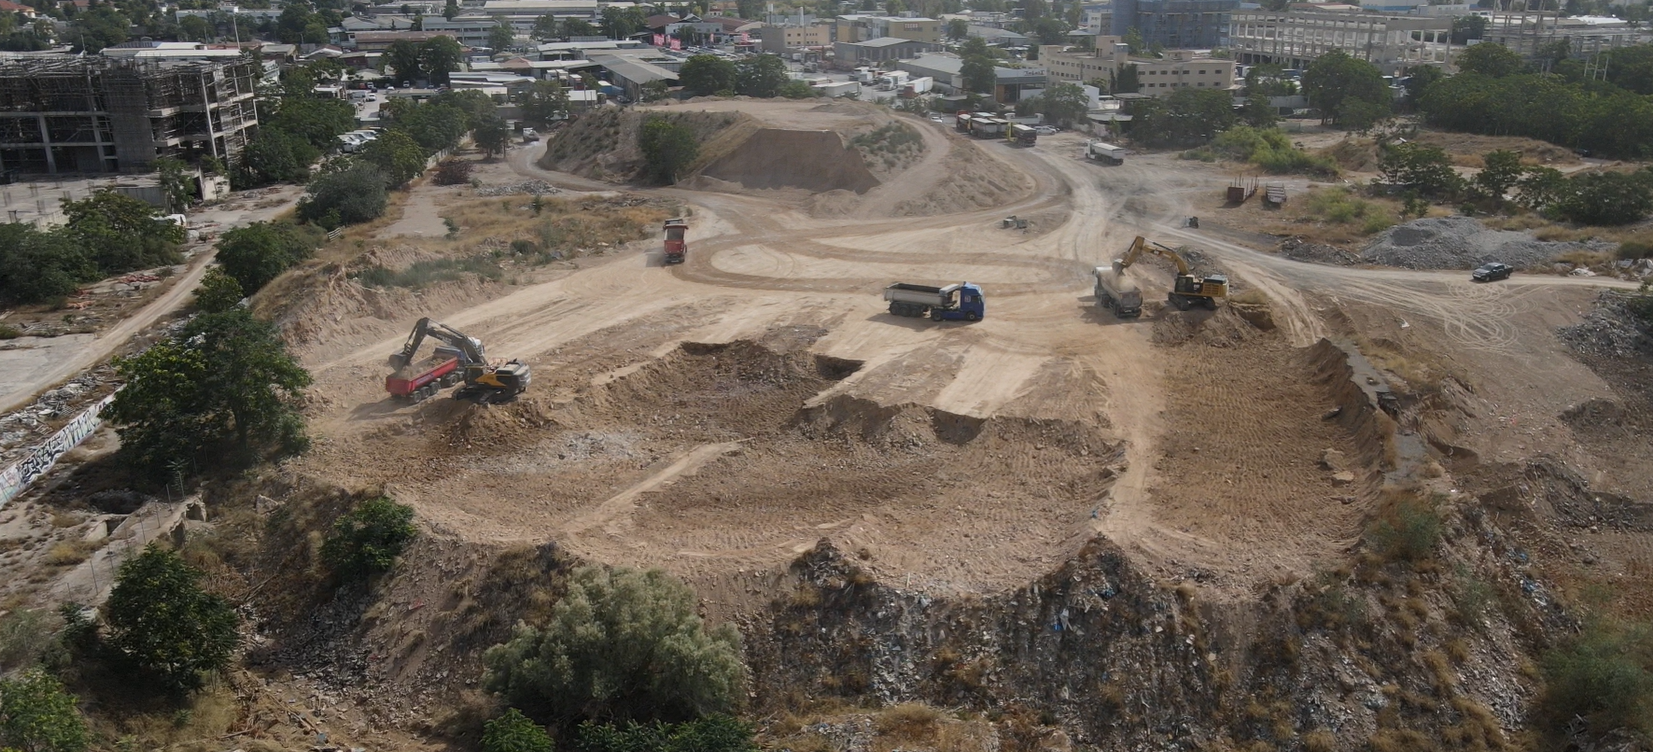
{"x":163,"y":627}
{"x":1335,"y":81}
{"x":1501,"y":172}
{"x":704,"y":75}
{"x":37,"y":714}
{"x":397,"y":155}
{"x":978,"y":75}
{"x":1258,"y":113}
{"x":1490,"y":59}
{"x":318,"y":121}
{"x":450,"y":10}
{"x":668,"y":148}
{"x":98,"y":27}
{"x":347,"y":197}
{"x":578,"y":27}
{"x":1189,"y":117}
{"x":477,"y":106}
{"x":1133,"y":40}
{"x":546,"y":28}
{"x":195,"y":29}
{"x":619,"y":23}
{"x":958,"y":29}
{"x":1541,"y":187}
{"x":218,"y":292}
{"x":294,"y":19}
{"x":176,"y":183}
{"x":492,"y":136}
{"x":121,"y":233}
{"x":435,"y":126}
{"x":501,"y":36}
{"x":1418,"y":81}
{"x":545,"y":102}
{"x":1128,"y":80}
{"x":621,"y":644}
{"x":368,"y":539}
{"x":1418,"y":167}
{"x":1631,"y":67}
{"x":1608,"y":198}
{"x":1465,"y":28}
{"x":274,"y":156}
{"x":258,"y":253}
{"x":438,"y":57}
{"x":513,"y":732}
{"x":37,"y":266}
{"x":1050,"y":30}
{"x":404,"y":61}
{"x":760,"y":75}
{"x":1063,"y":104}
{"x":222,"y":392}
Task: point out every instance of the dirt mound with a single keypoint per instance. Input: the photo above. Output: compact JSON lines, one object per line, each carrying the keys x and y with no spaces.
{"x":603,"y":144}
{"x":1224,"y":327}
{"x":968,"y":180}
{"x":1463,"y":243}
{"x":816,"y":161}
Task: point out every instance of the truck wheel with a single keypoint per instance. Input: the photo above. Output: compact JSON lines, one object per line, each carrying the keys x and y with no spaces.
{"x":971,"y":317}
{"x":935,"y":315}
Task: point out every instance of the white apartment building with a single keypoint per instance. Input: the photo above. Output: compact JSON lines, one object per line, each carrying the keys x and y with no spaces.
{"x":1159,"y":77}
{"x":1293,"y":39}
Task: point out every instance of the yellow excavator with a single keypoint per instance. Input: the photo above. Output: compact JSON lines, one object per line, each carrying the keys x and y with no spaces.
{"x":1188,"y":290}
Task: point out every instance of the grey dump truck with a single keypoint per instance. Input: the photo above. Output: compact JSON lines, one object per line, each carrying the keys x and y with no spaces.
{"x":1116,"y":292}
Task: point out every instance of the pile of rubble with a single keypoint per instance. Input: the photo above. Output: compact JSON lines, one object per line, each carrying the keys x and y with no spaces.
{"x":22,"y":430}
{"x":1298,"y":249}
{"x":1611,"y":329}
{"x":527,"y":187}
{"x":1464,"y":243}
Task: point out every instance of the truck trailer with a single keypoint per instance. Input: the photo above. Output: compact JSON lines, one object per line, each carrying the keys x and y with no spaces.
{"x":987,"y":127}
{"x":1021,"y":135}
{"x":677,"y":243}
{"x":962,"y":301}
{"x":918,"y":86}
{"x":1103,"y":152}
{"x":1116,"y":292}
{"x":839,"y":89}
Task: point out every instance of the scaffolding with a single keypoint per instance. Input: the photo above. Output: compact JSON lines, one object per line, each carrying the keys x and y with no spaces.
{"x":99,"y":115}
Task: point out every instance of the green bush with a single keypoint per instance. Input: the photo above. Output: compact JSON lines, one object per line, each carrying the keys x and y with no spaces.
{"x":513,"y":732}
{"x":716,"y":733}
{"x":1407,"y":530}
{"x":258,"y":253}
{"x":38,"y":715}
{"x":164,"y":629}
{"x":1601,"y":675}
{"x":621,"y":644}
{"x":346,"y":197}
{"x":1340,"y":206}
{"x":369,"y":538}
{"x":25,"y":636}
{"x":7,"y":331}
{"x":1270,"y":149}
{"x":218,"y":291}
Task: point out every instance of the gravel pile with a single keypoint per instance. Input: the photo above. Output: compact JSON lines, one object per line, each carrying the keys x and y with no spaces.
{"x":533,"y":187}
{"x":1298,"y":249}
{"x":1463,"y":243}
{"x":1609,"y":330}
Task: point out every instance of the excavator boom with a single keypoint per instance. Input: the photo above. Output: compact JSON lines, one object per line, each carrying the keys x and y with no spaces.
{"x":470,"y":347}
{"x":1188,"y":289}
{"x":484,"y":381}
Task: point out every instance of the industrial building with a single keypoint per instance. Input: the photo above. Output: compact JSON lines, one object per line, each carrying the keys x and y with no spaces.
{"x":1529,"y":33}
{"x":876,"y":51}
{"x":1158,"y":77}
{"x":102,"y":115}
{"x":1176,"y":24}
{"x":947,"y":71}
{"x":1293,"y":39}
{"x":860,"y":27}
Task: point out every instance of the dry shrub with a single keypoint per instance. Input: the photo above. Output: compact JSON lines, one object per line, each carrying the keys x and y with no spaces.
{"x":1406,"y":529}
{"x":1319,"y":740}
{"x":908,"y":722}
{"x":1401,"y":740}
{"x":68,"y":552}
{"x":453,"y":172}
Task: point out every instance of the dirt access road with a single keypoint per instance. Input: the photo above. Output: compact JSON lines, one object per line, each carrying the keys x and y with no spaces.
{"x":28,"y":376}
{"x":718,"y":417}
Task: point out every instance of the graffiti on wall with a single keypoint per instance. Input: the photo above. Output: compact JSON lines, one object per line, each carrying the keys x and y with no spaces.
{"x":14,"y":479}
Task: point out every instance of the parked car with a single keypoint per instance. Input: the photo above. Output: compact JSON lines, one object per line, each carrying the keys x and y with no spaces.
{"x":1491,"y":272}
{"x":1046,"y":130}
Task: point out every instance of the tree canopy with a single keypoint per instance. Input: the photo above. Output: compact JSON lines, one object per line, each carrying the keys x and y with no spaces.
{"x":165,"y":629}
{"x":621,"y":644}
{"x":668,"y":147}
{"x":349,"y":196}
{"x":760,"y":75}
{"x":1346,"y":89}
{"x":223,"y":392}
{"x":703,"y":75}
{"x":1489,"y":59}
{"x":37,"y":714}
{"x":258,"y":253}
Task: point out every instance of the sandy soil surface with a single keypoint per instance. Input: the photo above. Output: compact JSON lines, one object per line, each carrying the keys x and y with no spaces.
{"x":716,"y":418}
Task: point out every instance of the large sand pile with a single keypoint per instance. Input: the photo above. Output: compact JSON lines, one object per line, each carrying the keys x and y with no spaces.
{"x":817,"y":161}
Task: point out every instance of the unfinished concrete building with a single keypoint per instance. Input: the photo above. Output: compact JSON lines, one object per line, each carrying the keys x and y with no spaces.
{"x":1294,"y":38}
{"x":97,"y":115}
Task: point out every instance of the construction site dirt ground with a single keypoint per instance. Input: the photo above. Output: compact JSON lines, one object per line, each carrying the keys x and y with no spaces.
{"x":717,"y":418}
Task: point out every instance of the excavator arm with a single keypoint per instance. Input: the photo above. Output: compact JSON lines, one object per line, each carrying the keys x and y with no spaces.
{"x":471,"y":348}
{"x":1141,"y":246}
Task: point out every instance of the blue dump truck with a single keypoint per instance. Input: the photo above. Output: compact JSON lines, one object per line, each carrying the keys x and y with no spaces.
{"x":962,"y":301}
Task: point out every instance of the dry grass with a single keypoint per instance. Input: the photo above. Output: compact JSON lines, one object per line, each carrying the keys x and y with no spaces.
{"x":68,"y":553}
{"x":207,"y":715}
{"x":909,"y":722}
{"x":1319,"y":740}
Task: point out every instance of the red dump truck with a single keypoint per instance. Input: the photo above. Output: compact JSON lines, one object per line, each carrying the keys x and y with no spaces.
{"x":676,"y":244}
{"x":419,"y":381}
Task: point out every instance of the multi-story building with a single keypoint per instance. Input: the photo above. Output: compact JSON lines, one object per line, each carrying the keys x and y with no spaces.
{"x":379,"y":41}
{"x":1176,"y":24}
{"x":119,"y":115}
{"x":470,"y":30}
{"x":1097,"y":18}
{"x":780,"y":39}
{"x":1293,"y":39}
{"x":1529,"y":33}
{"x":875,"y":51}
{"x":861,"y":27}
{"x":1159,"y":77}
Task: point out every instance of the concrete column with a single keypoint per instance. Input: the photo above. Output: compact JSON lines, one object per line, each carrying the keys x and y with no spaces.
{"x":46,"y":138}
